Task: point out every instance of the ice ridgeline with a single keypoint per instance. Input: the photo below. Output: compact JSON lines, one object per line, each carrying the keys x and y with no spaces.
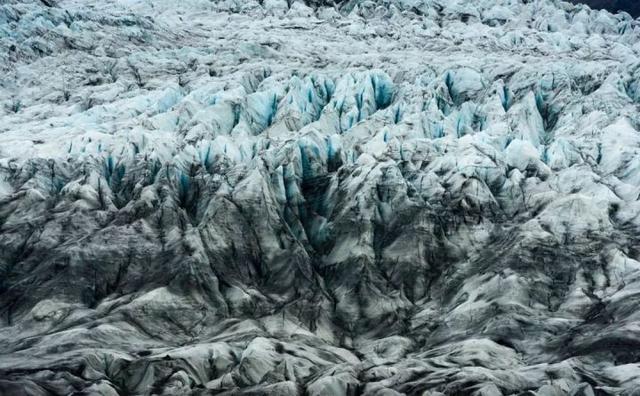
{"x":377,"y":198}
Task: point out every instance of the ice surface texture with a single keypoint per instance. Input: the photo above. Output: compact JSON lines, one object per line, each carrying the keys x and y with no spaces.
{"x":630,"y":6}
{"x":331,"y":198}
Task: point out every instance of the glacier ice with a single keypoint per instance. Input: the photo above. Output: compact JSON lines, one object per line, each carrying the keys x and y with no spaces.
{"x":318,"y":197}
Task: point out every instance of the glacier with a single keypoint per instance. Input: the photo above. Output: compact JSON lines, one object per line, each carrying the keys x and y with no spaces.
{"x":284,"y":197}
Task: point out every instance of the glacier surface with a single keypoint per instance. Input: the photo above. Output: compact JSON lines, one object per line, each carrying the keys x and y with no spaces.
{"x":418,"y":197}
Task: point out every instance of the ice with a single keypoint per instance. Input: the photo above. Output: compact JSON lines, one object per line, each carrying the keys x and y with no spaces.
{"x":281,"y":197}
